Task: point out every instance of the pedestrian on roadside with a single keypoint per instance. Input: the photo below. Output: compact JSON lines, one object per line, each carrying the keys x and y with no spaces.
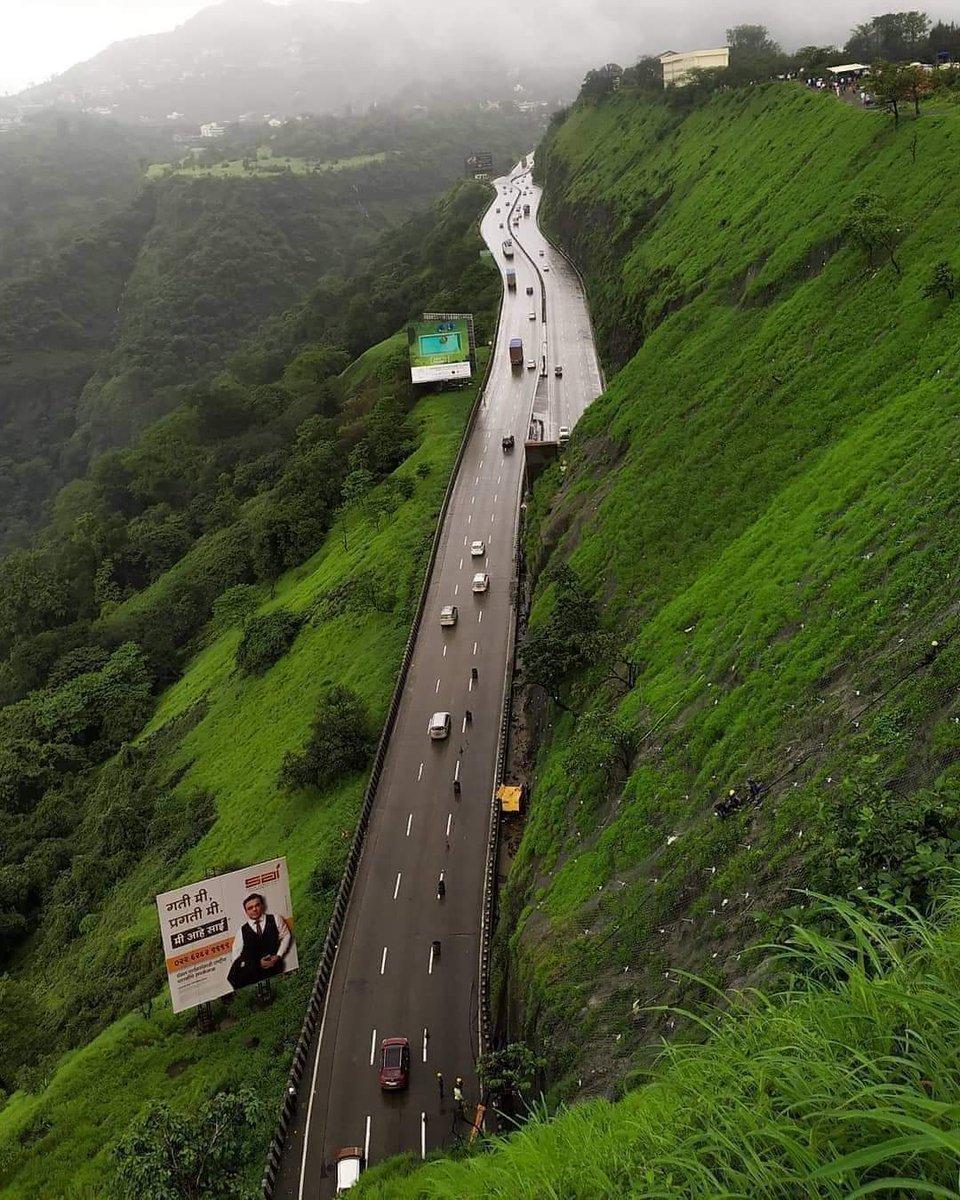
{"x":440,"y":1085}
{"x":458,"y":1095}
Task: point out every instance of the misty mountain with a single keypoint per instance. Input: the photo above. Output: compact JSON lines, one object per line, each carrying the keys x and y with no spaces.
{"x":249,"y":56}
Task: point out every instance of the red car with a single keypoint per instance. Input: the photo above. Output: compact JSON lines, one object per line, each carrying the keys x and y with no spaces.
{"x":394,"y":1064}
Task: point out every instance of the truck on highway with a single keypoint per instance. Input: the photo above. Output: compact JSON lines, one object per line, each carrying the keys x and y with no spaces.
{"x":526,"y":210}
{"x":511,"y":279}
{"x":516,"y":352}
{"x":508,"y":248}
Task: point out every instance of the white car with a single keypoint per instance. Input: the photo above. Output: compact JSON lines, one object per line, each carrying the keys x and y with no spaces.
{"x":545,"y":267}
{"x":563,"y":436}
{"x":478,"y":548}
{"x":449,"y":614}
{"x":439,"y":726}
{"x":531,"y":364}
{"x":481,"y":581}
{"x":532,"y":316}
{"x":541,"y":254}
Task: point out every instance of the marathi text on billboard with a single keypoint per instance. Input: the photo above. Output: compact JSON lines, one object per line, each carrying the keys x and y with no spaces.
{"x":227,"y":932}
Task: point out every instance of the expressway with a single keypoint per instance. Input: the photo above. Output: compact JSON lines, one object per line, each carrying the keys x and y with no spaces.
{"x":432,"y":810}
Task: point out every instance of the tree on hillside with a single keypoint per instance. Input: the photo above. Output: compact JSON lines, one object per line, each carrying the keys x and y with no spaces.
{"x":943,"y":280}
{"x":604,"y":82}
{"x":810,"y":58}
{"x":341,"y":741}
{"x":896,"y":37}
{"x":169,"y":1155}
{"x":754,"y":55}
{"x":944,"y":39}
{"x":751,"y":41}
{"x":566,"y":641}
{"x":892,"y":85}
{"x":646,"y":74}
{"x":871,"y":225}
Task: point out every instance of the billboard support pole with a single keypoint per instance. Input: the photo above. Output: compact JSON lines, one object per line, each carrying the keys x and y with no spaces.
{"x":264,"y":991}
{"x":205,"y":1017}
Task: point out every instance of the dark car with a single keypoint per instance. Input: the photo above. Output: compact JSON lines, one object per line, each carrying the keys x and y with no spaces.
{"x":507,"y":442}
{"x":394,"y":1064}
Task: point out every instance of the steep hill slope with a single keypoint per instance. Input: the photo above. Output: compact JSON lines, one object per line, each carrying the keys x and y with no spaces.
{"x":758,"y":514}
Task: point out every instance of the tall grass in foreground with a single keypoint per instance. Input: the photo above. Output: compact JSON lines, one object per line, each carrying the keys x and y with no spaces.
{"x":844,"y":1084}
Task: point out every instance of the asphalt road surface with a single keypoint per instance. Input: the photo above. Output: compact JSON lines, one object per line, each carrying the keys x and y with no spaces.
{"x":387,"y":981}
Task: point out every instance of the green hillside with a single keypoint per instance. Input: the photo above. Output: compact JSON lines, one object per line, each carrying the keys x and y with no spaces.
{"x":196,"y":657}
{"x":215,"y":746}
{"x":747,"y":570}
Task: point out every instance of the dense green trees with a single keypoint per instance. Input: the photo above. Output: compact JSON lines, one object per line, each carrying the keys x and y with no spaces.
{"x":191,"y":523}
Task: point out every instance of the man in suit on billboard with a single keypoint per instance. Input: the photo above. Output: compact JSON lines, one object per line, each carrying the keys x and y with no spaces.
{"x":260,"y":945}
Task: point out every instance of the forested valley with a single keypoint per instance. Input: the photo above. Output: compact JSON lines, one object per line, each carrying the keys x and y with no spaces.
{"x":183,"y":360}
{"x":118,"y":290}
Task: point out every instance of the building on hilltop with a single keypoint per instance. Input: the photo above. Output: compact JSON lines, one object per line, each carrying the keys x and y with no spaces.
{"x":677,"y":67}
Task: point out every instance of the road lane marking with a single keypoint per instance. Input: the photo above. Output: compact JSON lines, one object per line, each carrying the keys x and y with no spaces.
{"x":410,"y":818}
{"x":373,"y":1047}
{"x":429,"y":972}
{"x":499,"y":477}
{"x":437,"y":688}
{"x":493,"y":517}
{"x":444,"y":652}
{"x":426,"y":1038}
{"x":456,"y":769}
{"x":496,"y":497}
{"x":419,"y":777}
{"x":366,"y":1142}
{"x":479,"y":616}
{"x":473,"y":499}
{"x":423,"y":1135}
{"x":461,"y":564}
{"x":476,"y":481}
{"x":474,"y":650}
{"x":469,"y":688}
{"x":456,"y":590}
{"x":463,"y":727}
{"x":469,"y":518}
{"x":383,"y":961}
{"x":449,"y":822}
{"x":396,"y":889}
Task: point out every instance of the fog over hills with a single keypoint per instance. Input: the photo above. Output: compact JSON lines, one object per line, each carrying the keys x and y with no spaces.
{"x":321,"y":55}
{"x":248,"y":55}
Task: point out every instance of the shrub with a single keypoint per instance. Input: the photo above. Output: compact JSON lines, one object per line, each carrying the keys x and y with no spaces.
{"x":265,"y":640}
{"x":341,"y":741}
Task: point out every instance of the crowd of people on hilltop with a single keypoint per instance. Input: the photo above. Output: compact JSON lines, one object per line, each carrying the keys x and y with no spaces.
{"x":849,"y":87}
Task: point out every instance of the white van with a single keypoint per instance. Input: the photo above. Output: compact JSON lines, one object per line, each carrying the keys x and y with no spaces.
{"x":349,"y":1167}
{"x":563,"y":435}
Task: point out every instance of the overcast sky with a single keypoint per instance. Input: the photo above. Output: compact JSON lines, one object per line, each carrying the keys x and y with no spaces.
{"x":40,"y":38}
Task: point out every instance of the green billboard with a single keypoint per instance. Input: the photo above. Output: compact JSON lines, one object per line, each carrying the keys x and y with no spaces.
{"x":439,"y":350}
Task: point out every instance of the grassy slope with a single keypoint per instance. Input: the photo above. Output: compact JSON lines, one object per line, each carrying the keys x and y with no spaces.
{"x":761,"y":501}
{"x":54,"y":1143}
